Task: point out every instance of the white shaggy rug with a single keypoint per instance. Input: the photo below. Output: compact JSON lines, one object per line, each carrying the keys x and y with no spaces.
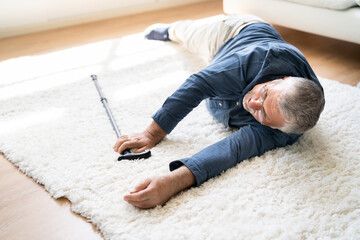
{"x":54,"y":128}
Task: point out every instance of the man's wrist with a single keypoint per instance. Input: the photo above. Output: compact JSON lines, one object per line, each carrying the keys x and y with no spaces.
{"x":182,"y":178}
{"x":156,"y":132}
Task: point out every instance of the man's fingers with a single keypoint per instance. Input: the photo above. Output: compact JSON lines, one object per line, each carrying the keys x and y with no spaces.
{"x":130,"y":144}
{"x":144,"y":184}
{"x":139,"y":142}
{"x":140,"y":150}
{"x":120,"y":141}
{"x":141,"y":193}
{"x":140,"y":199}
{"x":136,"y":197}
{"x":143,"y":204}
{"x":154,"y":192}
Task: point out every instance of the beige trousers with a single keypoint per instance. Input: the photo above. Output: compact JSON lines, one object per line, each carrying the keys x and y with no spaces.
{"x":206,"y":36}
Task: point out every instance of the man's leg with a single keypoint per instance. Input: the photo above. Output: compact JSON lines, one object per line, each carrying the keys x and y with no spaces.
{"x":204,"y":36}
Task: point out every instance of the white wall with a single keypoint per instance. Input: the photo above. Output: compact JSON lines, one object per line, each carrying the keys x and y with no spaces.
{"x":25,"y":16}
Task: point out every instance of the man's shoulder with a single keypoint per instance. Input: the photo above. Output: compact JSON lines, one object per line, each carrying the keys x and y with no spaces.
{"x":279,"y":138}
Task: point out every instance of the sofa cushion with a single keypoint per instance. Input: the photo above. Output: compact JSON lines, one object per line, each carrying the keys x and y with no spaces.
{"x":332,"y":4}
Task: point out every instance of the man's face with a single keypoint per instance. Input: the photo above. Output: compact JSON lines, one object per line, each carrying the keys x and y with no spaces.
{"x":261,"y":102}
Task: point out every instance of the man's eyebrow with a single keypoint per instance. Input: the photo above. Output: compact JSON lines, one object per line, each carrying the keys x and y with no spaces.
{"x":267,"y":93}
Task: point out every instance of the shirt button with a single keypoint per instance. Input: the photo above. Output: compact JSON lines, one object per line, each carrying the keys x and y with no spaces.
{"x":220,"y":104}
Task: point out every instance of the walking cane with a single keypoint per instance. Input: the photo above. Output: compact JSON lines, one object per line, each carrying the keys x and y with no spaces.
{"x":126,"y":154}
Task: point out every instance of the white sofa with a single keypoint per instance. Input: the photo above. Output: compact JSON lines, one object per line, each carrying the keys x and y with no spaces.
{"x":339,"y":19}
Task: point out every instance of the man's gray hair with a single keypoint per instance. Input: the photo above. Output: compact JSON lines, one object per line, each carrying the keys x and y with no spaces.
{"x":301,"y":103}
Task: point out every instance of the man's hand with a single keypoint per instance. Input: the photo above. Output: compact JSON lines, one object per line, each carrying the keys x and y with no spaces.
{"x":158,"y":190}
{"x":150,"y":192}
{"x":140,"y":141}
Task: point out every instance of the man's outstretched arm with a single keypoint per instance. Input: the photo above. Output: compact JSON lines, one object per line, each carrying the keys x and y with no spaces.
{"x":247,"y":142}
{"x":193,"y":171}
{"x":159,"y":189}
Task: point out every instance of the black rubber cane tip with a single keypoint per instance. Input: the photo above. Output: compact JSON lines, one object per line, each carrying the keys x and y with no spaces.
{"x":134,"y":156}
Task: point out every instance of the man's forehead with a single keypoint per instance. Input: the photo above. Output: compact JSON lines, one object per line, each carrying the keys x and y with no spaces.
{"x":272,"y":108}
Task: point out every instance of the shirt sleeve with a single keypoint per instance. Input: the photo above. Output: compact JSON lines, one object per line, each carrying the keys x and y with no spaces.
{"x":247,"y":142}
{"x":217,"y":80}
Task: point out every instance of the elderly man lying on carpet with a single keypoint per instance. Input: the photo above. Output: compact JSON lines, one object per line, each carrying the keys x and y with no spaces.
{"x":255,"y":82}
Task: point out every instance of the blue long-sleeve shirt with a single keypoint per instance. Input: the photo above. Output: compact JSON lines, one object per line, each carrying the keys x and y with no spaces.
{"x":256,"y":55}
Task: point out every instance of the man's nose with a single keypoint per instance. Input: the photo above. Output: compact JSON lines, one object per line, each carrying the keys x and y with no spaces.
{"x":255,"y":104}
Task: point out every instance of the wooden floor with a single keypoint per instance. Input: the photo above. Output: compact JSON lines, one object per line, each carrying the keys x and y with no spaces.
{"x":26,"y":210}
